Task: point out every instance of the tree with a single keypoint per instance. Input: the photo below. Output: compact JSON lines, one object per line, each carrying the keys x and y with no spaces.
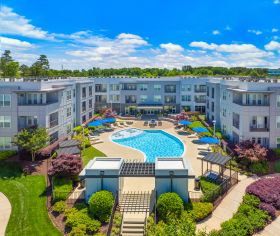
{"x":8,"y":66}
{"x":32,"y":140}
{"x":66,"y":165}
{"x":41,"y":66}
{"x":24,"y":70}
{"x":250,"y":151}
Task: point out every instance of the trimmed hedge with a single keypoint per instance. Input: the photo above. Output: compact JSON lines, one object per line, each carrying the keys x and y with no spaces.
{"x":199,"y":210}
{"x":101,"y":204}
{"x":59,"y":207}
{"x":6,"y":154}
{"x":169,"y":205}
{"x":210,"y":189}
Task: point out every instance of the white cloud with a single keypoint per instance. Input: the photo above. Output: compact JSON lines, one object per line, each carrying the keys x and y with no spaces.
{"x":276,"y":2}
{"x":273,"y":46}
{"x":172,"y":48}
{"x":256,"y":32}
{"x":13,"y":24}
{"x":10,"y":43}
{"x":228,"y":28}
{"x":216,"y":32}
{"x":274,"y":30}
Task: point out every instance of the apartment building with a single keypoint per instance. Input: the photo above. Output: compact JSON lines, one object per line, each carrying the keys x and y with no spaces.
{"x":242,"y":109}
{"x":246,"y":109}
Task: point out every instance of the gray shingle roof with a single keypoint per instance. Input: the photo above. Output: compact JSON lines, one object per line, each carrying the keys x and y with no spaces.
{"x":216,"y":158}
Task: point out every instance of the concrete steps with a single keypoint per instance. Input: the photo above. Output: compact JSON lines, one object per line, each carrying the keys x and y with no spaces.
{"x":133,"y":227}
{"x":135,"y":202}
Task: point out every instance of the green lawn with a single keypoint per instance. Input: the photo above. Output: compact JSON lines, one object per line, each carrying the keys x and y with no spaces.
{"x":197,"y":124}
{"x":90,"y":153}
{"x":27,"y":196}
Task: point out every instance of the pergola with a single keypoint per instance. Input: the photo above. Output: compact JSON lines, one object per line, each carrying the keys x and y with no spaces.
{"x":215,"y":158}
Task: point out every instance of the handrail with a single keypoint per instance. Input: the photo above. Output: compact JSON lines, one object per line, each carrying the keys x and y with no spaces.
{"x":110,"y":226}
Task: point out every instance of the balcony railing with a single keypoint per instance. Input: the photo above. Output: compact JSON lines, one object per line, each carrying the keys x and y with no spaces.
{"x":199,"y":100}
{"x":235,"y":124}
{"x":254,"y":128}
{"x":130,"y":101}
{"x":53,"y":123}
{"x":241,"y":103}
{"x":200,"y":90}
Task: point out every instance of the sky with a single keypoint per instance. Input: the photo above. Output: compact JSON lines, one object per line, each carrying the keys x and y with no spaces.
{"x":142,"y":33}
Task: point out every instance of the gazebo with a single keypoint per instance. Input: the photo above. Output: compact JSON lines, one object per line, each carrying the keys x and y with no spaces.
{"x":215,"y":158}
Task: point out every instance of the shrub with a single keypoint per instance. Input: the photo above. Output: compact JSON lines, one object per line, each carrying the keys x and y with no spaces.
{"x":277,"y":166}
{"x":80,"y":230}
{"x":199,"y":210}
{"x":6,"y":154}
{"x":271,"y":210}
{"x":169,"y":205}
{"x":66,"y":166}
{"x":277,"y":152}
{"x":267,"y":190}
{"x":251,"y":200}
{"x":61,"y":188}
{"x":77,"y":218}
{"x":59,"y":207}
{"x":100,"y":205}
{"x":210,"y":189}
{"x":259,"y":167}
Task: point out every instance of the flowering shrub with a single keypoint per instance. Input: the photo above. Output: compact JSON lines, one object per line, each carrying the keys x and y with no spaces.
{"x":268,"y":208}
{"x":250,"y":151}
{"x":108,"y":112}
{"x":267,"y":190}
{"x":66,"y":165}
{"x":182,"y":116}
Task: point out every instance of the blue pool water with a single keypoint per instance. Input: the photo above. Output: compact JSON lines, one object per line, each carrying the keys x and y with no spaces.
{"x":153,"y":143}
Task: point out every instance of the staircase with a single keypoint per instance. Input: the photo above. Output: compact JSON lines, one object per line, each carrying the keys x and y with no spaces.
{"x":136,"y":206}
{"x":133,"y":226}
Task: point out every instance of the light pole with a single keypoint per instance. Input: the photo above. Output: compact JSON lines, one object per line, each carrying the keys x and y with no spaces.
{"x":214,"y":123}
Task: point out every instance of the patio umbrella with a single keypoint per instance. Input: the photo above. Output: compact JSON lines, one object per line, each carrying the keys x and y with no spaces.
{"x":200,"y":130}
{"x":184,"y":122}
{"x":95,"y":123}
{"x":209,"y":140}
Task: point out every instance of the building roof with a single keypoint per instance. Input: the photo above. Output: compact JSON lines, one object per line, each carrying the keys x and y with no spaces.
{"x":216,"y":158}
{"x":137,"y":169}
{"x":69,"y":150}
{"x":69,"y":143}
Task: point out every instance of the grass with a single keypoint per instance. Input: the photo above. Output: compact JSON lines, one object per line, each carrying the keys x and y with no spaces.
{"x":62,"y":187}
{"x":90,"y":153}
{"x":197,"y":124}
{"x":27,"y":196}
{"x":6,"y":154}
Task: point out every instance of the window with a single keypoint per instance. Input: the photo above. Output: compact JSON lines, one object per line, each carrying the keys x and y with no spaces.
{"x":157,"y":87}
{"x":5,"y":121}
{"x":68,"y":128}
{"x":90,"y":104}
{"x":90,"y":90}
{"x":143,"y":98}
{"x":114,"y":87}
{"x":84,"y":93}
{"x":5,"y":100}
{"x":170,"y":99}
{"x":186,"y":98}
{"x":130,"y":99}
{"x":68,"y":95}
{"x":278,"y":101}
{"x":53,"y":119}
{"x":84,"y":118}
{"x":5,"y":142}
{"x":143,"y":87}
{"x":90,"y":115}
{"x":114,"y":98}
{"x":213,"y":93}
{"x":224,"y":112}
{"x":278,"y":122}
{"x":186,"y":88}
{"x":157,"y":98}
{"x":224,"y":95}
{"x":84,"y":106}
{"x":278,"y":142}
{"x":170,"y":88}
{"x":212,"y":106}
{"x":68,"y":111}
{"x":235,"y":120}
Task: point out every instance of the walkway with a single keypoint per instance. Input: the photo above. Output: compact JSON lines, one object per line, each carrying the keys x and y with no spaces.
{"x":5,"y":212}
{"x":227,"y":207}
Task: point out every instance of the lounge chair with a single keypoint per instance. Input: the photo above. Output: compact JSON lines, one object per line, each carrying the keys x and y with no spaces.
{"x":145,"y":123}
{"x":192,"y":136}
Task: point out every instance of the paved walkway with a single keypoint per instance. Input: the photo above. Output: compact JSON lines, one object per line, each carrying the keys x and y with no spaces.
{"x":5,"y":211}
{"x":227,"y":207}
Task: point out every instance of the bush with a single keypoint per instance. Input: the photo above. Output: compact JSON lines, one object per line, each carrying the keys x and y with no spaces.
{"x":76,"y":218}
{"x":199,"y":210}
{"x":6,"y":154}
{"x":277,"y":152}
{"x":267,"y":190}
{"x":259,"y":167}
{"x":101,"y":204}
{"x":251,"y":200}
{"x":66,"y":166}
{"x":210,"y":189}
{"x":61,"y":188}
{"x":277,"y":166}
{"x":271,"y":210}
{"x":59,"y":207}
{"x":80,"y":230}
{"x":169,"y":205}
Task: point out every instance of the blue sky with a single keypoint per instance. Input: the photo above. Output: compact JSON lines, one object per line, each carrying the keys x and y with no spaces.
{"x":89,"y":33}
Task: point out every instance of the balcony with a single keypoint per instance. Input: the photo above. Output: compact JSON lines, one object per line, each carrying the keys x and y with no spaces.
{"x":254,"y":128}
{"x":53,"y":123}
{"x":100,"y":90}
{"x":235,"y":124}
{"x":130,"y":101}
{"x":200,"y":100}
{"x":252,"y":103}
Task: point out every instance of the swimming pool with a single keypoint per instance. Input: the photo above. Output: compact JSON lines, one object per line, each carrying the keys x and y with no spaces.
{"x":153,"y":143}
